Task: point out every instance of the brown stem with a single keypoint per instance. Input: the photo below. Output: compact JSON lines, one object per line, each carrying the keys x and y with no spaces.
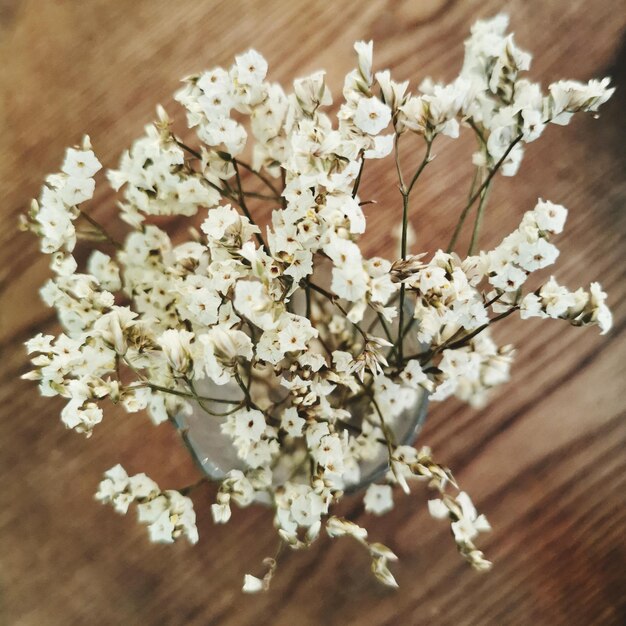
{"x":244,"y":208}
{"x":101,"y":229}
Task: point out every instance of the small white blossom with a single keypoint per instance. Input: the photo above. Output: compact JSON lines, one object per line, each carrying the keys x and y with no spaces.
{"x":291,"y":423}
{"x":249,"y":424}
{"x":252,"y":584}
{"x":176,"y":346}
{"x":372,"y":116}
{"x":80,"y":163}
{"x":378,"y":499}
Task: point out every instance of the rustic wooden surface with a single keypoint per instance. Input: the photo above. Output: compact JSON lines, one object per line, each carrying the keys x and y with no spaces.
{"x":545,"y":461}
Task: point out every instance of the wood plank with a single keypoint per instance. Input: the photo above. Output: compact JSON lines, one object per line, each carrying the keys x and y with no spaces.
{"x":545,"y":461}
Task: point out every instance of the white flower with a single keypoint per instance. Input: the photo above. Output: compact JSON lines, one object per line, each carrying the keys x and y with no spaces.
{"x":381,"y":571}
{"x":252,"y":584}
{"x":470,"y":523}
{"x":249,"y":424}
{"x":530,"y":306}
{"x":81,"y":416}
{"x":251,"y":67}
{"x":378,"y":499}
{"x":169,"y":516}
{"x":253,"y":301}
{"x":142,"y":487}
{"x":438,"y":509}
{"x":306,"y":509}
{"x":435,"y":113}
{"x":113,"y":327}
{"x":80,"y":163}
{"x":230,"y":343}
{"x":371,"y":115}
{"x":338,"y":527}
{"x":349,"y":282}
{"x":221,"y":513}
{"x":220,"y":219}
{"x":536,"y":255}
{"x":364,"y":52}
{"x":600,"y":312}
{"x":466,"y":524}
{"x":329,"y":453}
{"x":570,"y":96}
{"x":291,"y":423}
{"x":114,"y":489}
{"x":192,"y":191}
{"x":555,"y":299}
{"x":176,"y":346}
{"x":151,"y":510}
{"x":40,"y":343}
{"x":105,"y":270}
{"x":550,"y":217}
{"x":77,"y":190}
{"x":311,"y":92}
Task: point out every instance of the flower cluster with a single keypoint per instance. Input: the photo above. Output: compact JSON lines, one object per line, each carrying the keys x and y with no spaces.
{"x":168,"y":514}
{"x":308,"y":359}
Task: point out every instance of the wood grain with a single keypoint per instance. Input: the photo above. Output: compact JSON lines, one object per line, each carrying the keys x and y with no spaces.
{"x":545,"y":461}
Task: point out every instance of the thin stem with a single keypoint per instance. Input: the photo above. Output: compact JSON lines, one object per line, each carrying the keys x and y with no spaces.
{"x":389,"y":440}
{"x":401,"y":324}
{"x":101,"y":229}
{"x":357,"y":182}
{"x":463,"y":216}
{"x":176,"y":392}
{"x":381,"y":319}
{"x":479,"y":192}
{"x":498,"y":295}
{"x":228,"y":193}
{"x":333,"y":300}
{"x":408,"y":327}
{"x":405,"y":210}
{"x":307,"y":295}
{"x":468,"y":338}
{"x":385,"y":428}
{"x":136,"y":371}
{"x":283,"y":179}
{"x":245,"y":389}
{"x":478,"y":221}
{"x":478,"y":131}
{"x":494,"y":169}
{"x":189,"y":488}
{"x":260,"y":196}
{"x":191,"y":151}
{"x":200,"y":402}
{"x":396,"y":151}
{"x":355,"y":429}
{"x":423,"y":164}
{"x":223,"y":192}
{"x":406,"y":191}
{"x":244,"y":208}
{"x":258,"y":174}
{"x":424,"y":357}
{"x":250,"y":404}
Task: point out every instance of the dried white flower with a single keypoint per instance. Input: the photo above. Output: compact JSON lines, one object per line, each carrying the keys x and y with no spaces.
{"x":378,"y":499}
{"x":304,"y":355}
{"x":372,"y":116}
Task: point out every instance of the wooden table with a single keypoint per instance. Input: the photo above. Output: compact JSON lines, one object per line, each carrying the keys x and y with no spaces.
{"x":545,"y":461}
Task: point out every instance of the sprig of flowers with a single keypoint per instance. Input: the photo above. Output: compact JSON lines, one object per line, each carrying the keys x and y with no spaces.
{"x":313,"y":355}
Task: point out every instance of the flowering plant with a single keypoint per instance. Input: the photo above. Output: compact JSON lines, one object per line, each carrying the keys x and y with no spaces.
{"x":306,"y":355}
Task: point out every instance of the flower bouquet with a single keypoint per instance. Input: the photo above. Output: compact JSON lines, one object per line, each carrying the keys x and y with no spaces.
{"x":295,"y":369}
